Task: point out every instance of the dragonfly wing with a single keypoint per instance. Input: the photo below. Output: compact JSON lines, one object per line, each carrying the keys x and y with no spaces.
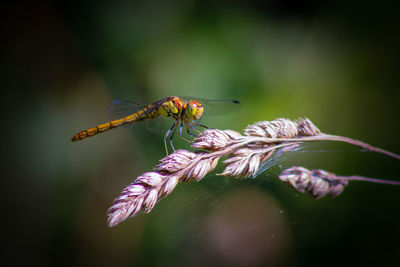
{"x":158,"y":125}
{"x":122,"y":108}
{"x":216,"y":106}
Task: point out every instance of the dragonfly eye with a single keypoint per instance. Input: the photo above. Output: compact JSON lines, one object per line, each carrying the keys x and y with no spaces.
{"x":194,"y":109}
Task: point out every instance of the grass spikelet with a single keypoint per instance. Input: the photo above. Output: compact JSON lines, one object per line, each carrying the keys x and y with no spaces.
{"x":243,"y":155}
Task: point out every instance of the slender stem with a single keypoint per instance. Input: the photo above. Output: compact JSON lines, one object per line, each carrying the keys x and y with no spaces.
{"x":361,"y":144}
{"x":366,"y":179}
{"x":324,"y":137}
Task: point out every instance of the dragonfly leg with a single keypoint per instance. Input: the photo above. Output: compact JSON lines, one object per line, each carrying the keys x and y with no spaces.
{"x":180,"y":132}
{"x":172,"y":134}
{"x":167,"y":134}
{"x":180,"y":129}
{"x":191,"y":126}
{"x":201,"y":125}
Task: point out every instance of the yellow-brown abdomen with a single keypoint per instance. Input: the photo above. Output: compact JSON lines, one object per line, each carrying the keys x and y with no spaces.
{"x":136,"y":117}
{"x":95,"y":130}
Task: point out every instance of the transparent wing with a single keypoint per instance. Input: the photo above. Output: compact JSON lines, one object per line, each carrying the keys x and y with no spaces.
{"x":159,"y":124}
{"x":122,"y":108}
{"x":216,"y":106}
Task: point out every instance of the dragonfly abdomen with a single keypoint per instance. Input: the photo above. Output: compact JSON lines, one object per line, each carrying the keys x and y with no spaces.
{"x":92,"y":131}
{"x":136,"y":117}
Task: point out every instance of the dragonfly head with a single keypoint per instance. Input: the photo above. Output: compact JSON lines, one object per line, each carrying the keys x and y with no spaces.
{"x":194,"y":110}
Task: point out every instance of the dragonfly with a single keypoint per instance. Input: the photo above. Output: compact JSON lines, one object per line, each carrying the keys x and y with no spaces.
{"x":184,"y":111}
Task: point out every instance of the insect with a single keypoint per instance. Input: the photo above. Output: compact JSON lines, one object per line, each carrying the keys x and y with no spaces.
{"x":183,"y":110}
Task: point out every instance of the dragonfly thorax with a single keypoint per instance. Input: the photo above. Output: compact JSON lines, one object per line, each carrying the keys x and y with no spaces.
{"x":171,"y":107}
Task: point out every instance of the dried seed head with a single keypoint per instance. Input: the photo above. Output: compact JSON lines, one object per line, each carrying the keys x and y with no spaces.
{"x":336,"y":185}
{"x":253,"y":165}
{"x":151,"y":200}
{"x":306,"y":127}
{"x":318,"y":183}
{"x":235,"y":166}
{"x":242,"y":163}
{"x":132,"y":190}
{"x":122,"y":211}
{"x":124,"y":206}
{"x":279,"y":128}
{"x":150,"y":179}
{"x":248,"y":156}
{"x":168,"y":186}
{"x":297,"y":177}
{"x":176,"y":161}
{"x":202,"y":167}
{"x":213,"y":139}
{"x":141,"y":194}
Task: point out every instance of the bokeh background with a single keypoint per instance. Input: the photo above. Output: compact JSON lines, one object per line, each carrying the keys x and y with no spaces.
{"x":64,"y":62}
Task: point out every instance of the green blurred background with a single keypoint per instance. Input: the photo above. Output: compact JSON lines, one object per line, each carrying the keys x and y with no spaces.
{"x":65,"y":61}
